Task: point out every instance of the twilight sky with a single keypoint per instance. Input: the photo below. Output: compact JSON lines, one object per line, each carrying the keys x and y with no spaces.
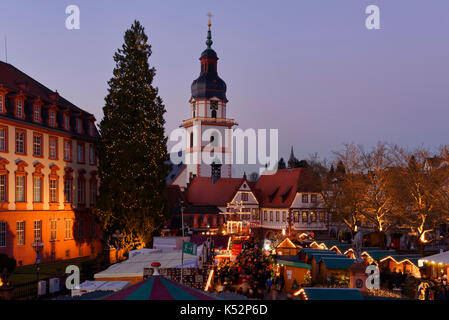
{"x":309,"y":68}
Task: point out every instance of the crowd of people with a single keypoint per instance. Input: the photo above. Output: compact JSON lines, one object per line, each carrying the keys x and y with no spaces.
{"x":250,"y":274}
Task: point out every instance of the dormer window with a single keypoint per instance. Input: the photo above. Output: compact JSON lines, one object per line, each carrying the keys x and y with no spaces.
{"x":79,"y":125}
{"x":66,"y":122}
{"x":52,"y":118}
{"x":36,"y":113}
{"x":19,"y":109}
{"x":91,"y":129}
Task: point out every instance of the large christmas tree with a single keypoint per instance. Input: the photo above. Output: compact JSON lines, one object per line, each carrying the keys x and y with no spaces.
{"x":132,"y":148}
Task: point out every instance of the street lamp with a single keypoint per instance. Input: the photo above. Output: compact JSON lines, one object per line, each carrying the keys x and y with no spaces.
{"x":37,"y":245}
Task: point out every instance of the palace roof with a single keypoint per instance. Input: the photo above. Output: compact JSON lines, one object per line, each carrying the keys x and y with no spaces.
{"x":202,"y":191}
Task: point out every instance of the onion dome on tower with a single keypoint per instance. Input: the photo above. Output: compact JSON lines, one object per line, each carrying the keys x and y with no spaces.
{"x":209,"y":84}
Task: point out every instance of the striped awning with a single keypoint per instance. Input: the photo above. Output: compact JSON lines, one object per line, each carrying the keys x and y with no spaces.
{"x":159,"y":288}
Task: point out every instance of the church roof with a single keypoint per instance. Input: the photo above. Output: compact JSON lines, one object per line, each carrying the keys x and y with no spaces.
{"x":202,"y":191}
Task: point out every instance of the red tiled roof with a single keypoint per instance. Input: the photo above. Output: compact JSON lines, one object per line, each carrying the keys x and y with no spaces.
{"x":278,"y":190}
{"x":11,"y":78}
{"x":201,"y":191}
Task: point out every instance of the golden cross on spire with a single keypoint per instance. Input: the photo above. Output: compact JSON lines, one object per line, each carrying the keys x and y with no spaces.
{"x":210,"y":16}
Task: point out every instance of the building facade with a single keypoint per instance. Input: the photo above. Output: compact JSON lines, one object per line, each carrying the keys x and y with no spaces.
{"x":48,"y":173}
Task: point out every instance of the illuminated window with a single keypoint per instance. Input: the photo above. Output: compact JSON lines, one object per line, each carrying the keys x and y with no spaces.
{"x":305,"y":217}
{"x":321,"y":214}
{"x":312,"y":216}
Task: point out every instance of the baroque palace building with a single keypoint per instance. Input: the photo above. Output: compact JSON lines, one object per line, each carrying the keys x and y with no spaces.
{"x":48,"y":173}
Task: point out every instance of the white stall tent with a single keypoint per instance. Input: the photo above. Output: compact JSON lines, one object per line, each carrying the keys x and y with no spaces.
{"x":442,"y":258}
{"x":134,"y":266}
{"x":91,"y":286}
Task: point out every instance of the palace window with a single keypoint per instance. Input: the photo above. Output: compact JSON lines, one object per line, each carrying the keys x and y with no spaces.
{"x":19,"y":109}
{"x":244,"y":196}
{"x":81,"y":229}
{"x":3,"y":188}
{"x":91,"y":129}
{"x":53,"y":190}
{"x":20,"y":233}
{"x":68,"y":190}
{"x":277,"y":216}
{"x":283,"y":216}
{"x":68,"y":150}
{"x":91,"y":154}
{"x":80,"y":152}
{"x":53,"y":148}
{"x":20,"y":142}
{"x":265,"y":215}
{"x":20,"y":188}
{"x":313,"y":198}
{"x":81,"y":191}
{"x":37,"y":189}
{"x":321,"y":215}
{"x":296,"y":216}
{"x":2,"y":234}
{"x":68,"y":229}
{"x":53,"y":226}
{"x":37,"y":231}
{"x":52,"y":119}
{"x":37,"y":145}
{"x":79,"y":125}
{"x":305,"y":198}
{"x":312,"y":216}
{"x":271,"y":215}
{"x":3,"y":139}
{"x":36,"y":113}
{"x":66,"y":122}
{"x":93,"y":192}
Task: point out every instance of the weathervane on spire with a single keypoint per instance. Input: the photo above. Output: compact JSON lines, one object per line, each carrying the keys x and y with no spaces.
{"x":210,"y":16}
{"x":209,"y":35}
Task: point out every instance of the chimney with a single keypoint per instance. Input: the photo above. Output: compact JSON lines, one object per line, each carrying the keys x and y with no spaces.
{"x":216,"y":172}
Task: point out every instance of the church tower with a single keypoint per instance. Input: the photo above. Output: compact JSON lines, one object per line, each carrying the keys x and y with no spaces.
{"x":208,"y":151}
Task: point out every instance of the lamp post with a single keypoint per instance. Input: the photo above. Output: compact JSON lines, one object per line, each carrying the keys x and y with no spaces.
{"x":182,"y":230}
{"x":37,"y":244}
